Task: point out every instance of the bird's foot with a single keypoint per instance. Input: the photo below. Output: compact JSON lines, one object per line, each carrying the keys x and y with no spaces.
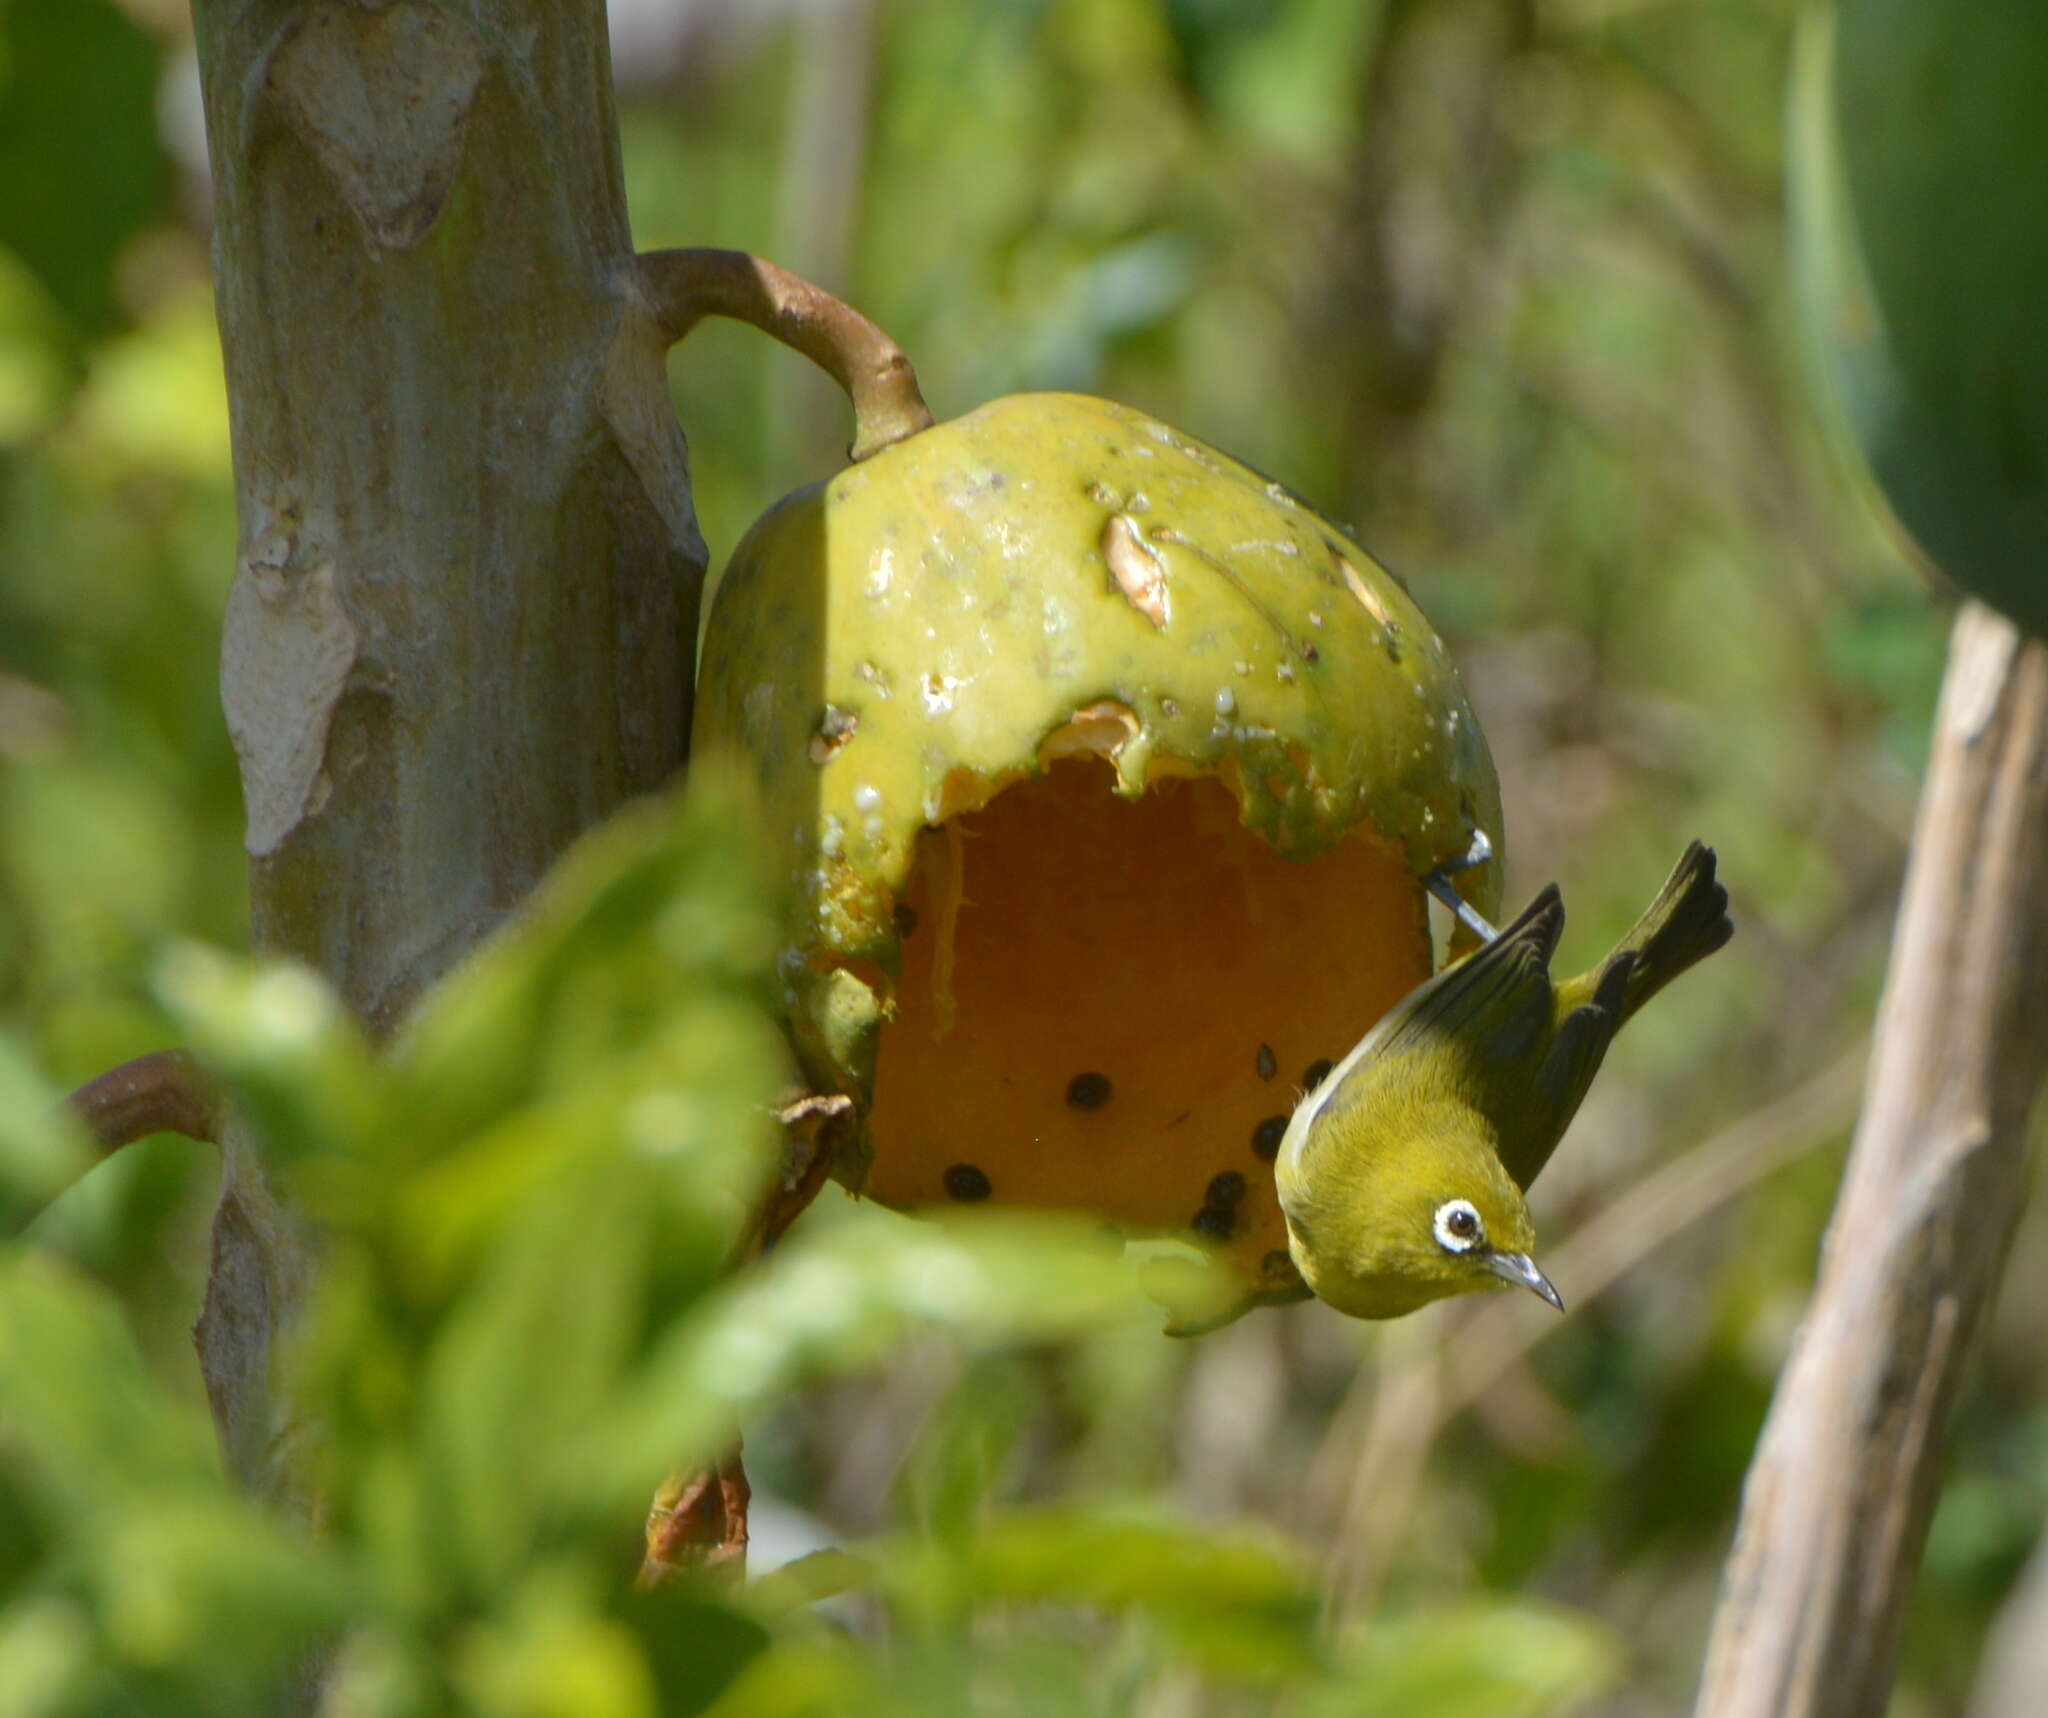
{"x":1438,"y":883}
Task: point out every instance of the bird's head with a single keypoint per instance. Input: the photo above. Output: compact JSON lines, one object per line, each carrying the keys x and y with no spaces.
{"x":1412,"y":1209}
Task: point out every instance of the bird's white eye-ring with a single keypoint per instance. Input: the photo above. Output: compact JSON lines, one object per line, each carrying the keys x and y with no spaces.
{"x":1457,"y":1226}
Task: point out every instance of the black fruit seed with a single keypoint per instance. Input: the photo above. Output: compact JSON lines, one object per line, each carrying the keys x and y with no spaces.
{"x":1088,"y":1091}
{"x":1266,"y":1138}
{"x":967,"y":1184}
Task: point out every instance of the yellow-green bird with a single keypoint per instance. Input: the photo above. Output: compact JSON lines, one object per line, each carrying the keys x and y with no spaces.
{"x":1401,"y":1173}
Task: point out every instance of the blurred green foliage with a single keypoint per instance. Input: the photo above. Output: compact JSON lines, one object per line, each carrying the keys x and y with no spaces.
{"x":1909,"y":122}
{"x":1504,"y":285}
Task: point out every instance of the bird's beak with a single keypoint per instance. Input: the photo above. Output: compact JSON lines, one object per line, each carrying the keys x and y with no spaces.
{"x":1520,"y":1269}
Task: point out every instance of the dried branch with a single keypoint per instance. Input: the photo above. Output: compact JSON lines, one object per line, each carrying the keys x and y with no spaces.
{"x":688,"y":285}
{"x":1836,"y":1507}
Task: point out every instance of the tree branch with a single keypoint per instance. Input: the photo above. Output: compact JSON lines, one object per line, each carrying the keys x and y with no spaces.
{"x":163,"y":1092}
{"x":688,"y":285}
{"x":1837,"y":1502}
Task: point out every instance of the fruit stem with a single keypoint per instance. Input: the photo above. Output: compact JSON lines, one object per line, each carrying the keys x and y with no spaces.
{"x":688,"y":285}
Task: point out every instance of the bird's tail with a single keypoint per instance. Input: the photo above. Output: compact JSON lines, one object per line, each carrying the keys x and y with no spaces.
{"x":1685,"y":923}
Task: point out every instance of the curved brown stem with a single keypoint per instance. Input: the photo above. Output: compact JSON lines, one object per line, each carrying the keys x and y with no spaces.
{"x":164,"y":1092}
{"x":688,"y":285}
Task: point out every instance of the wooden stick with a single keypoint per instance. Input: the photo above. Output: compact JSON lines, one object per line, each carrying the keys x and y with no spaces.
{"x":686,"y":286}
{"x":1836,"y":1507}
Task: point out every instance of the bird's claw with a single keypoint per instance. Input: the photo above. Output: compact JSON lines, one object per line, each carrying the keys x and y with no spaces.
{"x":1438,"y":883}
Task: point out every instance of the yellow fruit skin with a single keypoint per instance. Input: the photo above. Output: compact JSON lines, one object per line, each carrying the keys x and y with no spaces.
{"x":892,"y":647}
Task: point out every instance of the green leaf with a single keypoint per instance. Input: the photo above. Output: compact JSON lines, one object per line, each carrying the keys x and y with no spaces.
{"x":41,"y":1150}
{"x":646,"y":916}
{"x":80,"y":1418}
{"x":809,"y":1678}
{"x":178,"y":1577}
{"x":1234,"y":1603}
{"x":524,"y":1364}
{"x":694,"y":1645}
{"x":681,"y":1115}
{"x":1473,"y":1661}
{"x":838,"y":1299}
{"x":295,"y":1061}
{"x":168,"y":1560}
{"x":959,"y":1459}
{"x":46,"y":1649}
{"x":555,"y":1655}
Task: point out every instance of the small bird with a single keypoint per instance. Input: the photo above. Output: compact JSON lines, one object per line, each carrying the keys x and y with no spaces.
{"x":1401,"y":1173}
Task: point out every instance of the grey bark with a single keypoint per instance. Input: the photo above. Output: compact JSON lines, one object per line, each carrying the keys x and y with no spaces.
{"x":460,"y":627}
{"x":1835,"y":1510}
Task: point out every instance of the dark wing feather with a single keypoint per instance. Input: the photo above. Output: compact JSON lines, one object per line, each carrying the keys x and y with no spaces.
{"x":1507,"y":981}
{"x":1504,"y":989}
{"x":1567,"y":1070}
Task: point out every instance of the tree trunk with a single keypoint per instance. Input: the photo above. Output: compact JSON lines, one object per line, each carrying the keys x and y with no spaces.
{"x":1836,"y":1507}
{"x":468,"y":576}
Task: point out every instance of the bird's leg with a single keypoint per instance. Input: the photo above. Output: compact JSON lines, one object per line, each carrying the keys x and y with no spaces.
{"x":1438,"y":883}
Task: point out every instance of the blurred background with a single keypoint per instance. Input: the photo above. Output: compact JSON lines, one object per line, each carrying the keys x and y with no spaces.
{"x":1500,"y":284}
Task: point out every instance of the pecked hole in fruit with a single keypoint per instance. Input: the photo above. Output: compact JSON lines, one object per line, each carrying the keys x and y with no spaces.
{"x":1137,"y":569}
{"x":1068,"y":932}
{"x":1101,"y":729}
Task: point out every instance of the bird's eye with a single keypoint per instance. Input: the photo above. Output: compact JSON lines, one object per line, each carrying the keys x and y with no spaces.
{"x":1457,"y":1225}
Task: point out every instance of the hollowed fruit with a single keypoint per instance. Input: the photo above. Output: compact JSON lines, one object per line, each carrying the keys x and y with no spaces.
{"x":1109,"y":773}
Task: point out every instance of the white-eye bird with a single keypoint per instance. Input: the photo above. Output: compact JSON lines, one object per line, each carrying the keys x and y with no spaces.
{"x":1402,"y":1172}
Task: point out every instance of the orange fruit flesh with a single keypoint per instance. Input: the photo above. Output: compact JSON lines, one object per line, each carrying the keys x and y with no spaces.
{"x":1110,"y":1005}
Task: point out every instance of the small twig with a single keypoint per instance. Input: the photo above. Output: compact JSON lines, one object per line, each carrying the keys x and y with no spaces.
{"x":163,"y":1092}
{"x":686,"y":286}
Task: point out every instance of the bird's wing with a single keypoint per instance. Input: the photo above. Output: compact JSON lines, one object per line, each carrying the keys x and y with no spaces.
{"x":1495,"y":1006}
{"x":1576,"y":1051}
{"x":1501,"y":994}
